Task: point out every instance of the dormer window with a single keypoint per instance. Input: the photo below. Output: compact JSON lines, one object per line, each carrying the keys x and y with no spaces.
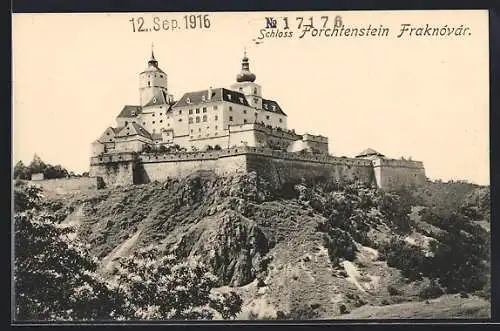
{"x":274,"y":107}
{"x":188,"y":100}
{"x":265,"y":106}
{"x":229,"y":96}
{"x":154,"y":99}
{"x":241,"y":99}
{"x":202,"y":98}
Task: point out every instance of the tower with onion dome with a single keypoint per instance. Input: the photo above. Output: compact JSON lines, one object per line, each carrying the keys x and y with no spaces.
{"x":153,"y":87}
{"x":245,"y":83}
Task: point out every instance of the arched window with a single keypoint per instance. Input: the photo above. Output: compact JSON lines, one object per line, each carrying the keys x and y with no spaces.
{"x":197,"y":119}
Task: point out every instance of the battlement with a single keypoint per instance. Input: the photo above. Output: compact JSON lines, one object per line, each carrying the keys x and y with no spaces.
{"x":276,"y":132}
{"x":396,"y":163}
{"x":242,"y":150}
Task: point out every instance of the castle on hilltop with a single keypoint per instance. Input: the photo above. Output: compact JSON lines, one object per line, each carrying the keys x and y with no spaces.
{"x":226,"y":130}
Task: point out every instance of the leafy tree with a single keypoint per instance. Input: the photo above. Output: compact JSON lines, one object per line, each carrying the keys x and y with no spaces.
{"x":54,"y":276}
{"x":21,"y":171}
{"x":167,"y":288}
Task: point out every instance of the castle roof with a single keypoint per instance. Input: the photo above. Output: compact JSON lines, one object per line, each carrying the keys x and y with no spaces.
{"x":369,"y":152}
{"x":132,"y":129}
{"x":130,"y":111}
{"x":218,"y":94}
{"x":272,"y":106}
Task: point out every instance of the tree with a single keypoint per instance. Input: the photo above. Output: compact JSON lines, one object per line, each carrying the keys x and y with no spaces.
{"x":37,"y":165}
{"x":54,"y":276}
{"x":21,"y":171}
{"x":167,"y":288}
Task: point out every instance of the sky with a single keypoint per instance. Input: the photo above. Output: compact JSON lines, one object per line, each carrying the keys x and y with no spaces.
{"x":416,"y":96}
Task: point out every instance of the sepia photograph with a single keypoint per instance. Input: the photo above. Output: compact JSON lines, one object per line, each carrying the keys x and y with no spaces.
{"x":305,"y":165}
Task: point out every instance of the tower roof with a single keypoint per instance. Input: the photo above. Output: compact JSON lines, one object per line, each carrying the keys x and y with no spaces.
{"x":153,"y":63}
{"x":369,"y":152}
{"x":245,"y":75}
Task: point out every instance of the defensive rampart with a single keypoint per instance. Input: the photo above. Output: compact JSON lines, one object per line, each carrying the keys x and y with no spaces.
{"x":278,"y":167}
{"x":60,"y":186}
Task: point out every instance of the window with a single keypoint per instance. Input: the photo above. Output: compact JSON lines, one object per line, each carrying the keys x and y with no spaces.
{"x":216,"y":133}
{"x":197,"y":110}
{"x":241,"y":99}
{"x":245,"y":121}
{"x":180,"y":120}
{"x":255,"y":91}
{"x":230,"y":118}
{"x":230,"y":108}
{"x":197,"y":119}
{"x":190,"y":120}
{"x":216,"y":127}
{"x":203,"y":98}
{"x":204,"y":118}
{"x":244,"y":111}
{"x":126,"y":123}
{"x":160,"y":114}
{"x":180,"y":112}
{"x":281,"y":120}
{"x":188,"y":100}
{"x":255,"y":100}
{"x":216,"y":117}
{"x":192,"y":130}
{"x":143,"y":123}
{"x":153,"y":114}
{"x":153,"y":122}
{"x":199,"y":129}
{"x":267,"y":117}
{"x":154,"y":130}
{"x":204,"y":109}
{"x":241,"y":89}
{"x":161,"y":121}
{"x":229,"y":96}
{"x":190,"y":112}
{"x":215,"y":107}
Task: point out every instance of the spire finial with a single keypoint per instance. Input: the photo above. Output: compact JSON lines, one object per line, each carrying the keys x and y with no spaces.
{"x":152,"y":51}
{"x":245,"y":51}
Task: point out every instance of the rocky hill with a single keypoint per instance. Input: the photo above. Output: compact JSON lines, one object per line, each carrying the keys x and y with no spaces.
{"x":309,"y":250}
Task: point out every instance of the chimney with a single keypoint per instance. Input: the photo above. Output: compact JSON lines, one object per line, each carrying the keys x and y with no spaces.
{"x":209,"y":93}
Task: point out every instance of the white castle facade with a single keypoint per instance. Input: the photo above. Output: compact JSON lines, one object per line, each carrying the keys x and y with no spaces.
{"x":226,"y":130}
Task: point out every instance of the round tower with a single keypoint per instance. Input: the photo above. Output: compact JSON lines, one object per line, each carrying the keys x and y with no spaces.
{"x":153,"y":87}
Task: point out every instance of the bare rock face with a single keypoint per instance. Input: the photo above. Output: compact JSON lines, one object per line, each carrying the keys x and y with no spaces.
{"x":231,"y":244}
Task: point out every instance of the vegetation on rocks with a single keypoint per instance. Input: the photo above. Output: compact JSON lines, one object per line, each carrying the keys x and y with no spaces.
{"x":208,"y":246}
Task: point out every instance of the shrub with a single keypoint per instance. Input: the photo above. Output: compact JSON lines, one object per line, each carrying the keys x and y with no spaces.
{"x":431,"y":291}
{"x":393,"y":291}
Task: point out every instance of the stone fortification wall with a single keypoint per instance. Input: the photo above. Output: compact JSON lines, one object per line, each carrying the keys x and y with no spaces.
{"x":59,"y":186}
{"x":115,"y":169}
{"x":281,"y":168}
{"x":276,"y":166}
{"x":393,"y":174}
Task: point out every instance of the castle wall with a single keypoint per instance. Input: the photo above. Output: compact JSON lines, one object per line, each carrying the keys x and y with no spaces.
{"x":277,"y":167}
{"x":394,"y":174}
{"x":280,"y":168}
{"x":115,"y":170}
{"x":160,"y":167}
{"x":69,"y":185}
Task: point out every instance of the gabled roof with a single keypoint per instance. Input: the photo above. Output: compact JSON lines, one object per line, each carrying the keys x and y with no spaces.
{"x":130,"y":111}
{"x":368,"y":152}
{"x":272,"y":106}
{"x":218,"y":94}
{"x":134,"y":129}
